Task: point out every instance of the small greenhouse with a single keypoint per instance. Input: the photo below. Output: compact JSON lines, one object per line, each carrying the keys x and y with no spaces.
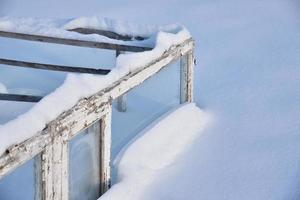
{"x":74,"y":92}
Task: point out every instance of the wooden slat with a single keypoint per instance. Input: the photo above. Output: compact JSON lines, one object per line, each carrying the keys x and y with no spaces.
{"x":105,"y":144}
{"x":53,"y":67}
{"x":121,"y":100}
{"x":73,"y":42}
{"x":186,"y":77}
{"x":20,"y":153}
{"x":108,"y":34}
{"x":19,"y":97}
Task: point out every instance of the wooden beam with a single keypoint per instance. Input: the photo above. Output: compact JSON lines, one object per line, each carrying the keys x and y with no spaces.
{"x":105,"y":143}
{"x":108,"y":34}
{"x":20,"y":153}
{"x":20,"y":97}
{"x":73,"y":42}
{"x":60,"y":167}
{"x":187,"y":63}
{"x":121,"y":100}
{"x":53,"y":67}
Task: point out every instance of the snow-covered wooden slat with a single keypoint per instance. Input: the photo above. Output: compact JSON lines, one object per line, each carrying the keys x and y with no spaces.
{"x":73,"y":42}
{"x":20,"y":153}
{"x":51,"y":67}
{"x":106,"y":33}
{"x":19,"y":97}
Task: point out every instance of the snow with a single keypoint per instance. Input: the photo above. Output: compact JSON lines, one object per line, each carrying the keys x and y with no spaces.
{"x":75,"y":86}
{"x":53,"y":28}
{"x":59,"y":28}
{"x":119,"y":26}
{"x":155,"y":149}
{"x":248,"y":78}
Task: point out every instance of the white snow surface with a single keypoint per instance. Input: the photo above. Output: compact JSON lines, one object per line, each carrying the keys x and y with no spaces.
{"x":75,"y":86}
{"x":155,"y":149}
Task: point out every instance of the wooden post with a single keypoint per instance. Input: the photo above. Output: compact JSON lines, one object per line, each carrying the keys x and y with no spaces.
{"x":55,"y":168}
{"x":105,"y":144}
{"x":47,"y":175}
{"x":187,"y":63}
{"x":121,"y":100}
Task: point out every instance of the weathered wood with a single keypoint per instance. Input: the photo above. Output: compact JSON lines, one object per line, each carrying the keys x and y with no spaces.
{"x":73,"y":42}
{"x":183,"y":79}
{"x":61,"y":68}
{"x":47,"y":173}
{"x":108,"y":34}
{"x":105,"y":144}
{"x":38,"y":177}
{"x":55,"y":165}
{"x":186,"y":77}
{"x":190,"y":76}
{"x":87,"y":109}
{"x":19,"y":97}
{"x":121,"y":100}
{"x":20,"y":153}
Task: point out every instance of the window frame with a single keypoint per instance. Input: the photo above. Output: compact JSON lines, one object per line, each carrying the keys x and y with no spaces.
{"x":52,"y":142}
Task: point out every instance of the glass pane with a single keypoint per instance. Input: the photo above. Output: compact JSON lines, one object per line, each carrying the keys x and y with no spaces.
{"x":145,"y":103}
{"x":20,"y":184}
{"x":84,"y":164}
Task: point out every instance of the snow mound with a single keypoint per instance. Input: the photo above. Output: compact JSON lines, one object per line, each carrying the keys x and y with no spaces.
{"x":158,"y":147}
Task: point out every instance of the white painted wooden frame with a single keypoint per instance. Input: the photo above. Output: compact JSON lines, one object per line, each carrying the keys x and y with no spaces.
{"x":52,"y":142}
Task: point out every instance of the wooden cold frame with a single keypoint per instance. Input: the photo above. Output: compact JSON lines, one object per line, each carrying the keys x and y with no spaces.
{"x":52,"y":142}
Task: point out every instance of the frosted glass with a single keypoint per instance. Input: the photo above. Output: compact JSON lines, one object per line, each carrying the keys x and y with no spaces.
{"x":20,"y":184}
{"x":145,"y":103}
{"x":84,"y":155}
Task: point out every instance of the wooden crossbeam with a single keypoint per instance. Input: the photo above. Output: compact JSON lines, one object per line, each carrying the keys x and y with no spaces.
{"x":20,"y":97}
{"x":108,"y":34}
{"x":53,"y":67}
{"x":73,"y":42}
